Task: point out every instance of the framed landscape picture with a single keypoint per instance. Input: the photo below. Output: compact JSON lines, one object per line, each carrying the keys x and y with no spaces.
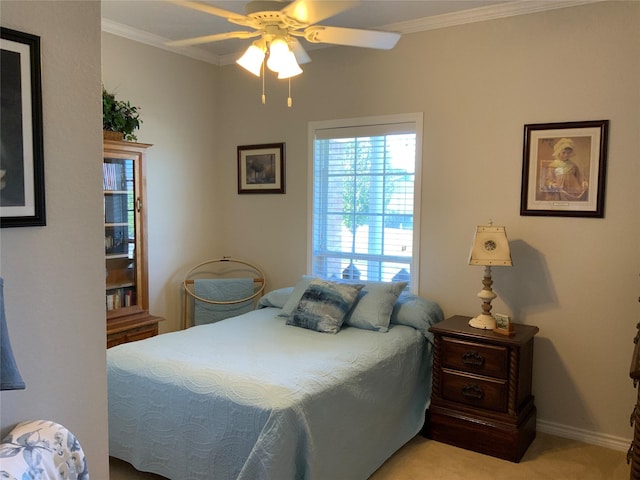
{"x":261,"y":168}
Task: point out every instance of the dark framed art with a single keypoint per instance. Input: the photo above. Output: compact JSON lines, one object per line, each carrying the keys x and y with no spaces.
{"x":22,"y":202}
{"x":261,"y":168}
{"x":564,"y":169}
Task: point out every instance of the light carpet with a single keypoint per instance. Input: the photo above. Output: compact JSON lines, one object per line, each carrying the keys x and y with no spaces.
{"x":548,"y":457}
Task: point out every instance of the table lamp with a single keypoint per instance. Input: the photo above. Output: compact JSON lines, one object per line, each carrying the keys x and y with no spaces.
{"x":490,"y":248}
{"x":10,"y":378}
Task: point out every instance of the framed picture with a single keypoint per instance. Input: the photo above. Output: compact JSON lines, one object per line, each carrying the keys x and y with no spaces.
{"x":564,"y":169}
{"x":22,"y":202}
{"x":261,"y":168}
{"x":504,"y":326}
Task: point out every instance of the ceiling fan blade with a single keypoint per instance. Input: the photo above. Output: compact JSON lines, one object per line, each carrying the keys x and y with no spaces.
{"x":299,"y":51}
{"x":211,"y":10}
{"x":309,"y":12}
{"x":352,"y":37}
{"x":211,"y":38}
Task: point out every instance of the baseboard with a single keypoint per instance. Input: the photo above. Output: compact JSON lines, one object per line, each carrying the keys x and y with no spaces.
{"x":586,"y":436}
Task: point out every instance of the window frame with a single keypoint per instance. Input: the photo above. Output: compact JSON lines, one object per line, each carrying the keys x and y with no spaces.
{"x":373,"y":122}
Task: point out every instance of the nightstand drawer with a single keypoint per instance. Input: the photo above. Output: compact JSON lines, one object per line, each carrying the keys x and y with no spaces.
{"x":490,"y":360}
{"x":475,"y":391}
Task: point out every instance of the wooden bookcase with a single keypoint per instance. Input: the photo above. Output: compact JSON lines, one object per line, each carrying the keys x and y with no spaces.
{"x":125,"y":242}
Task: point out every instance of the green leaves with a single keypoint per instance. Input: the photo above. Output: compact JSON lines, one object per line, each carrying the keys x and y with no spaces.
{"x":119,"y":116}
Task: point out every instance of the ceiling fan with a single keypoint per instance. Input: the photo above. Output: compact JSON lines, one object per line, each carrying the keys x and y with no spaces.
{"x":278,"y":23}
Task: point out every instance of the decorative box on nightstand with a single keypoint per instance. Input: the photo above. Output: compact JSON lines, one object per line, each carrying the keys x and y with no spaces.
{"x":481,"y":396}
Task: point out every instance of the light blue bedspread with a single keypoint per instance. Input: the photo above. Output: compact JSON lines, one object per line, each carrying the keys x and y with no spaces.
{"x":251,"y":398}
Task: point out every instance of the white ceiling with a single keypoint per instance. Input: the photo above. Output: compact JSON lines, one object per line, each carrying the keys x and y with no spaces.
{"x":156,"y":22}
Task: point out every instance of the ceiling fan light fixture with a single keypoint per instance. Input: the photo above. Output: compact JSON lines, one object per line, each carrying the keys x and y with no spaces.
{"x":290,"y":67}
{"x":278,"y":54}
{"x":276,"y":24}
{"x":252,"y":59}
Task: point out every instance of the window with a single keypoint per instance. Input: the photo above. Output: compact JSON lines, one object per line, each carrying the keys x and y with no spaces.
{"x":365,"y":198}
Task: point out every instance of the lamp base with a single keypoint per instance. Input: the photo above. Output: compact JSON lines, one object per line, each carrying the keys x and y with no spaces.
{"x":483,"y":321}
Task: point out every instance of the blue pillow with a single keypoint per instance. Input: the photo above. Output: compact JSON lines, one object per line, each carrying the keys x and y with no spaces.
{"x":275,"y":298}
{"x":375,"y":303}
{"x":324,"y":305}
{"x":414,"y":311}
{"x":300,"y":287}
{"x":373,"y":307}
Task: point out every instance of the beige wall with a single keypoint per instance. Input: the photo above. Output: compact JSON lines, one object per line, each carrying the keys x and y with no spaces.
{"x":478,"y":85}
{"x":54,"y":278}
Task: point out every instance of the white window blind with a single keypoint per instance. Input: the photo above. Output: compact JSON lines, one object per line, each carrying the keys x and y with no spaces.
{"x":364,"y":199}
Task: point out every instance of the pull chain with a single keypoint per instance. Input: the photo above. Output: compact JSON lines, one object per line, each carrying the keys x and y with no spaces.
{"x":264,"y":97}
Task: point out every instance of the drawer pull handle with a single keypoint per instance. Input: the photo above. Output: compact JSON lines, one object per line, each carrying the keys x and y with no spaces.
{"x":473,"y":358}
{"x":472,"y":390}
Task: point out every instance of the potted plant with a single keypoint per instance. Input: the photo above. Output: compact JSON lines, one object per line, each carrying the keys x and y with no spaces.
{"x":119,"y":116}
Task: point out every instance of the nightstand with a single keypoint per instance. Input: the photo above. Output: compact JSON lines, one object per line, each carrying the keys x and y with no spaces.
{"x":481,"y":396}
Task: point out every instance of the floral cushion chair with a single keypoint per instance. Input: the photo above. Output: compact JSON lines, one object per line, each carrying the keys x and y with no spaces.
{"x":42,"y":450}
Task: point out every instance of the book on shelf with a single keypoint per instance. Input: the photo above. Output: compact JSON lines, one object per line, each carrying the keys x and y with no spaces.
{"x":113,"y":177}
{"x":116,"y":240}
{"x":120,"y":298}
{"x":115,"y":209}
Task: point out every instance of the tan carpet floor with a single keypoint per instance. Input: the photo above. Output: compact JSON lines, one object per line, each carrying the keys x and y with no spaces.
{"x":548,"y":457}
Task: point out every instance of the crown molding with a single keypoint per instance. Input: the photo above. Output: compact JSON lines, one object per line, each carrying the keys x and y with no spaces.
{"x":480,"y":14}
{"x":136,"y":35}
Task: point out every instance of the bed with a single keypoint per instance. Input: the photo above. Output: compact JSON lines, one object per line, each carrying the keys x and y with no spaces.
{"x":257,"y":397}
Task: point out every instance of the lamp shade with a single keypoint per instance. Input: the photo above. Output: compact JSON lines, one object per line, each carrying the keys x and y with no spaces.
{"x":10,"y":378}
{"x":490,"y":247}
{"x":252,"y":59}
{"x":278,"y":57}
{"x":290,"y":67}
